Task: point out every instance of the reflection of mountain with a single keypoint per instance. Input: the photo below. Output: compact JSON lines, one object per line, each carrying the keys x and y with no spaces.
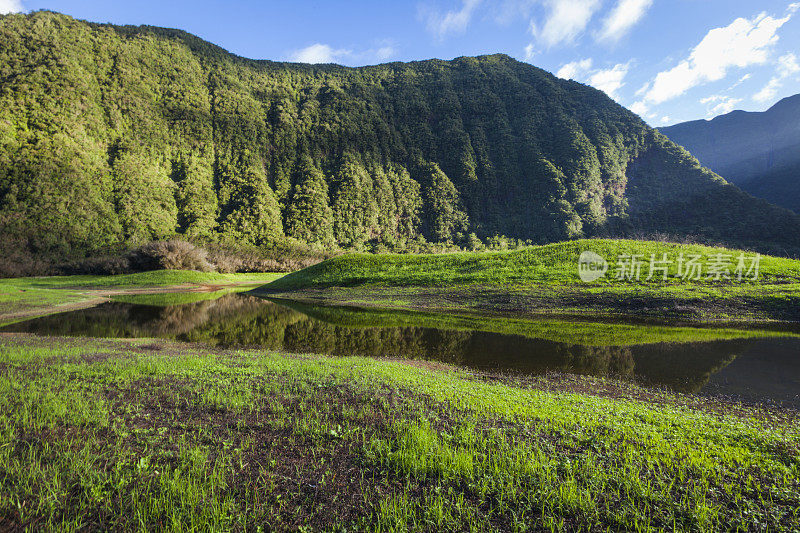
{"x":237,"y":320}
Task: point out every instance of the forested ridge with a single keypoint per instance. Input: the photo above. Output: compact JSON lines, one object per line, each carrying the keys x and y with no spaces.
{"x":118,"y":135}
{"x":759,"y":152}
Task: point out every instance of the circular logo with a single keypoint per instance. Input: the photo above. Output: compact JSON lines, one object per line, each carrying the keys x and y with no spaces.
{"x":591,"y":267}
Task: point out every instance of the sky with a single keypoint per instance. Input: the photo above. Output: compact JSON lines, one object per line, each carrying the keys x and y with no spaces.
{"x":667,"y":60}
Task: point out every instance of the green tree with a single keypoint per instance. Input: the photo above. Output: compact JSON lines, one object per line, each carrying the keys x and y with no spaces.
{"x":309,"y":217}
{"x":144,"y":197}
{"x":355,"y":211}
{"x":445,"y":216}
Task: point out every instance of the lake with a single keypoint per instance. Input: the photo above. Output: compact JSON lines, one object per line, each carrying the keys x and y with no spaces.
{"x":749,"y":365}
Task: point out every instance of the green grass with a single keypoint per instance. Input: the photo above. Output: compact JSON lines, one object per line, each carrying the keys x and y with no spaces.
{"x":555,"y":264}
{"x":129,"y":435}
{"x":156,"y":278}
{"x":544,"y":279}
{"x":47,"y":293}
{"x":166,"y":299}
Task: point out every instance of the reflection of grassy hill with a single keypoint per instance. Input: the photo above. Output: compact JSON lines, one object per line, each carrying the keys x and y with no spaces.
{"x":571,"y":332}
{"x":544,"y":279}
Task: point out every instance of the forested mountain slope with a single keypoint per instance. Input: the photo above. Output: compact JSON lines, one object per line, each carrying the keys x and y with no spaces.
{"x":114,"y":134}
{"x":759,"y":152}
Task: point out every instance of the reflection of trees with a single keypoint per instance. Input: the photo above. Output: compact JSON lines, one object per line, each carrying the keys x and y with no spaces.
{"x":237,"y":320}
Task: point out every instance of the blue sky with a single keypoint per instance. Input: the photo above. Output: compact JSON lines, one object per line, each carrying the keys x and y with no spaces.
{"x":668,"y":60}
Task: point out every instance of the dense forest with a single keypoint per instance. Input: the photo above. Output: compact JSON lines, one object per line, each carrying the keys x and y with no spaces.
{"x":759,"y":152}
{"x":115,"y":136}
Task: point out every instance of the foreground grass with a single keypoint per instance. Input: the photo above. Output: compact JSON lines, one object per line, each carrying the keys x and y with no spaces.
{"x":544,"y":279}
{"x":140,"y":435}
{"x":45,"y":294}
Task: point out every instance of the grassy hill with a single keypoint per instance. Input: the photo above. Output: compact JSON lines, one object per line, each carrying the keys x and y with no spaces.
{"x":549,"y":264}
{"x":545,"y":279}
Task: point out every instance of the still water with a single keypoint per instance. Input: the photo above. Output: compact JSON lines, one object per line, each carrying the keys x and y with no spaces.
{"x":763,"y":369}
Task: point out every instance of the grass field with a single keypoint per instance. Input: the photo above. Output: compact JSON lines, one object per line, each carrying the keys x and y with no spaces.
{"x":544,"y":279}
{"x":46,"y":294}
{"x":143,"y":435}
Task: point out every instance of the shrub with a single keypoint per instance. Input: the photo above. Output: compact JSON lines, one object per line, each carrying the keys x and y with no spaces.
{"x":107,"y":265}
{"x":173,"y":254}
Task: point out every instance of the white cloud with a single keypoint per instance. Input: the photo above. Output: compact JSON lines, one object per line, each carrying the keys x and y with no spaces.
{"x":768,"y":92}
{"x":384,"y":49}
{"x":319,"y":53}
{"x":530,"y":52}
{"x":324,"y":53}
{"x":665,"y":119}
{"x":10,"y":6}
{"x":623,"y":17}
{"x":575,"y":69}
{"x":640,"y":108}
{"x":743,"y":43}
{"x":565,"y":21}
{"x":450,"y":22}
{"x":385,"y":52}
{"x":643,"y":89}
{"x":740,"y":81}
{"x":609,"y":80}
{"x":719,"y":104}
{"x":787,"y":67}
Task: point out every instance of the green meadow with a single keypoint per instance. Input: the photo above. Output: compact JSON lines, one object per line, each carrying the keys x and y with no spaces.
{"x":152,"y":435}
{"x":145,"y":434}
{"x":47,"y":294}
{"x":545,"y":280}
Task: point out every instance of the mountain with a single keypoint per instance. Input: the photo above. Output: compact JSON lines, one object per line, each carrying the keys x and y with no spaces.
{"x":117,"y":135}
{"x":759,"y":152}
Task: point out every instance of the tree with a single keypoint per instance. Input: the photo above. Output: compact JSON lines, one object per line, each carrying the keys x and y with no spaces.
{"x":254,"y":215}
{"x":444,"y":213}
{"x":355,"y":212}
{"x":309,"y":217}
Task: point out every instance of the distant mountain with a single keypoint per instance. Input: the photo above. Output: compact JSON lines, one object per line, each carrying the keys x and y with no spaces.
{"x":759,"y":152}
{"x":116,"y":135}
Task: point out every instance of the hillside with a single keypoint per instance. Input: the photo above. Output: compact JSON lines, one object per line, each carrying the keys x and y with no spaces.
{"x":116,"y":136}
{"x":544,"y":280}
{"x":554,"y":264}
{"x":759,"y":152}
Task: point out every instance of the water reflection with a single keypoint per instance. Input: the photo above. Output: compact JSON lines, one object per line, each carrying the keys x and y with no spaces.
{"x":239,"y":320}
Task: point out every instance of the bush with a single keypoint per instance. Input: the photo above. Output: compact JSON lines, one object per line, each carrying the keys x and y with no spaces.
{"x":108,"y":265}
{"x":170,"y":255}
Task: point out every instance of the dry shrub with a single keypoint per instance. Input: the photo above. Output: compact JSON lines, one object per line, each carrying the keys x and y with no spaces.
{"x":170,"y":255}
{"x":18,"y":259}
{"x":107,"y":265}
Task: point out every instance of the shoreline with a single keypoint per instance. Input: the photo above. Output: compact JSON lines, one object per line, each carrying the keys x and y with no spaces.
{"x":78,"y":298}
{"x":541,"y":306}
